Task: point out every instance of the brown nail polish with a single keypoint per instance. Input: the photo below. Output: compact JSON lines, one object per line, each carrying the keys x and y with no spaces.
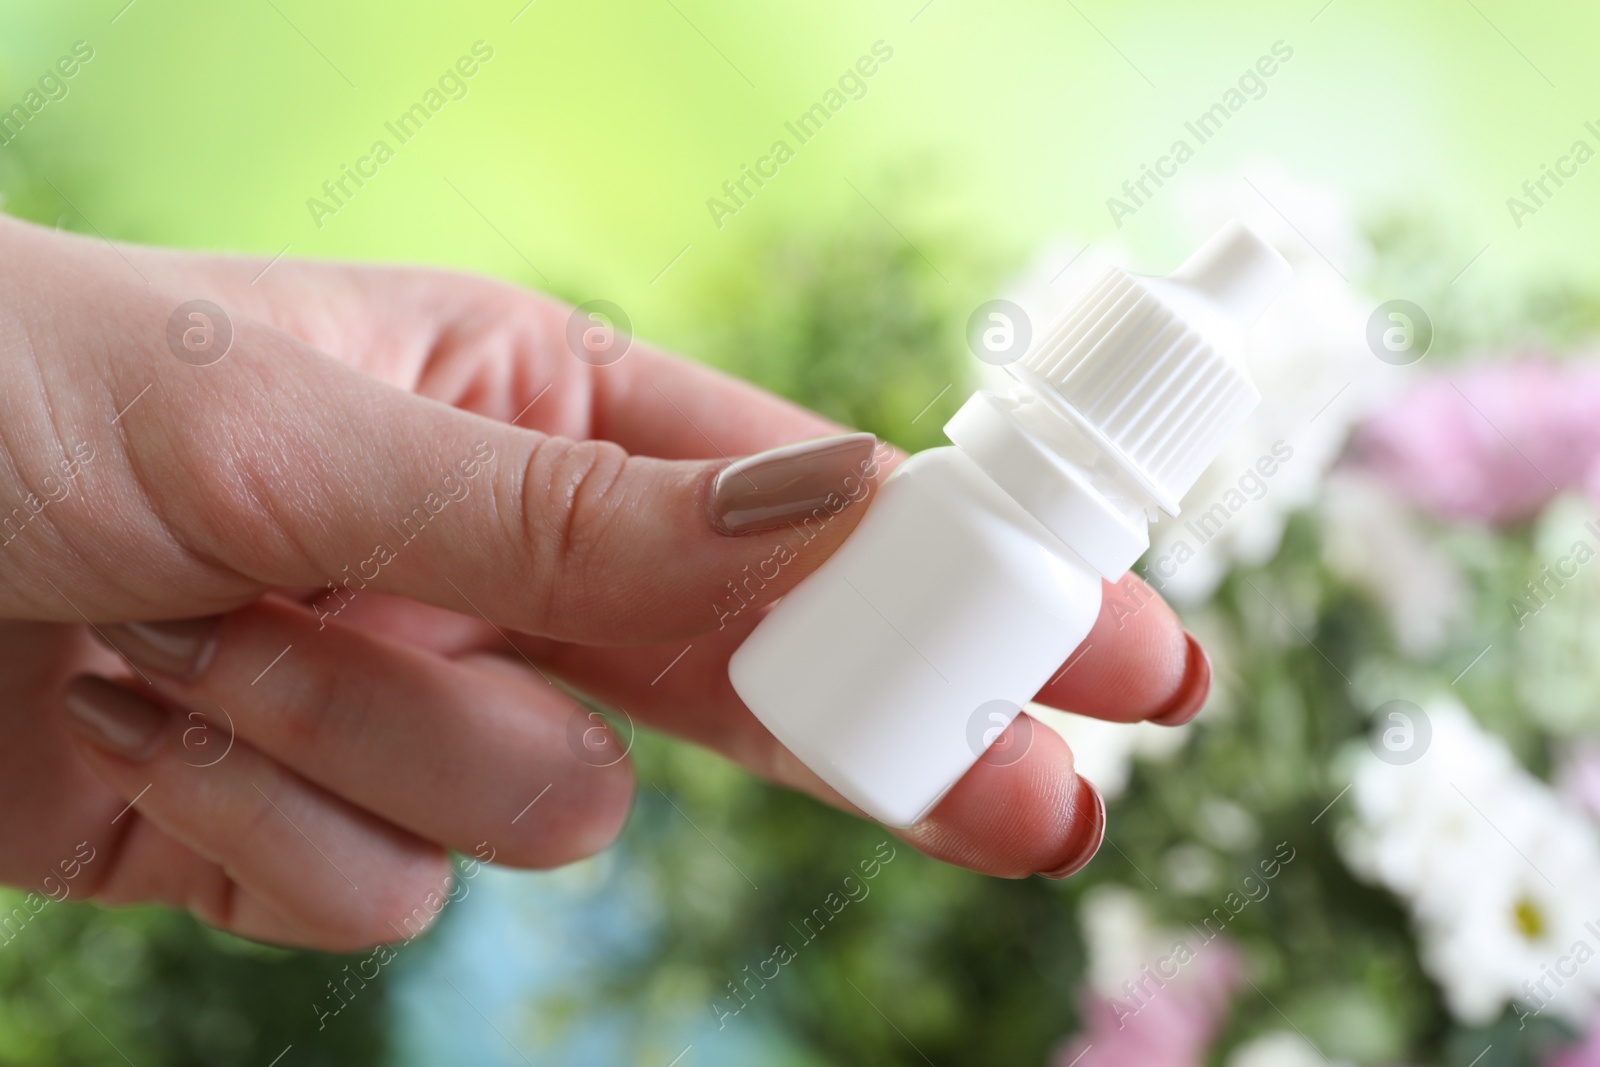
{"x":1089,"y":834}
{"x":180,"y":647}
{"x":1192,"y":690}
{"x":113,"y":718}
{"x":812,"y":479}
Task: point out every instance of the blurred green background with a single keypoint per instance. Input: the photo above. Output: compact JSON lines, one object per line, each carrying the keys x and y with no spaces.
{"x":580,"y":162}
{"x":594,"y":137}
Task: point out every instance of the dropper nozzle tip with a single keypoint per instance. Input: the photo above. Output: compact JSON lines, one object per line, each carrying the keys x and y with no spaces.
{"x":1238,"y":272}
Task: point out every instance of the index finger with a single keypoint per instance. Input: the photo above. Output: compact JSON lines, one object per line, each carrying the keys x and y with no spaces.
{"x":648,"y":401}
{"x":1137,"y":664}
{"x":501,"y":351}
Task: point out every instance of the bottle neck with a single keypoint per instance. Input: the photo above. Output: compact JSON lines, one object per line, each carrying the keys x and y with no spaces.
{"x":1055,"y":473}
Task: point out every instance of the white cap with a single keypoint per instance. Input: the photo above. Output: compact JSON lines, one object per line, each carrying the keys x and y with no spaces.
{"x":1151,"y":368}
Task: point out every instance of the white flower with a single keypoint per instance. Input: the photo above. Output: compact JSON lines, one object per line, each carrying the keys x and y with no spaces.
{"x":1499,"y":873}
{"x":1373,"y":538}
{"x":1524,"y":921}
{"x":1120,"y":936}
{"x":1280,"y":1048}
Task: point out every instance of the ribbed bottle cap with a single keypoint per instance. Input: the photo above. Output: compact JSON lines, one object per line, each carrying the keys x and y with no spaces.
{"x":1151,"y":368}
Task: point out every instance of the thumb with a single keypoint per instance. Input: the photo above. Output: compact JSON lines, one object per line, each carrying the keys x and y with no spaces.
{"x":358,"y":488}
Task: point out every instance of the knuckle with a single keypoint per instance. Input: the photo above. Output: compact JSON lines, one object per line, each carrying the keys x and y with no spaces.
{"x":313,"y":702}
{"x":230,"y":821}
{"x":214,"y":489}
{"x":569,"y":500}
{"x":305,"y":715}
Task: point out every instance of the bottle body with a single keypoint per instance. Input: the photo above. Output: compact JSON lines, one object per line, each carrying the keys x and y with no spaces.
{"x":977,"y":571}
{"x":891,"y":669}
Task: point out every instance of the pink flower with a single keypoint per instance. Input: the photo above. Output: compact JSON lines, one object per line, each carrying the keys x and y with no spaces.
{"x":1578,"y":773}
{"x":1161,"y":1021}
{"x":1584,"y":1054}
{"x":1492,"y":442}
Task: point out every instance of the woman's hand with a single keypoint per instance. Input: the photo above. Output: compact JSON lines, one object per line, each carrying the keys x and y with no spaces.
{"x":284,"y":627}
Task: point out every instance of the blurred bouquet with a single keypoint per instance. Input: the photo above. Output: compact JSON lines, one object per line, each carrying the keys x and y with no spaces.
{"x":1379,"y":843}
{"x":1408,"y":624}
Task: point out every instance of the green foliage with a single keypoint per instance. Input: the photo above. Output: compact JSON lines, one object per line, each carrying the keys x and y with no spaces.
{"x":853,"y":321}
{"x":1426,"y":261}
{"x":24,"y":196}
{"x":970,"y":969}
{"x":84,"y":986}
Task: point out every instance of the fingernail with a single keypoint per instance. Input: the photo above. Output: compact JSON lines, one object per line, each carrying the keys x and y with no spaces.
{"x":111,"y":717}
{"x":1090,"y":832}
{"x":793,"y":483}
{"x":1192,"y":691}
{"x":180,"y":647}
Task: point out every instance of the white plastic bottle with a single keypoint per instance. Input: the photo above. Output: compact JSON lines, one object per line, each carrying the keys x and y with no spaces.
{"x":976,"y":573}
